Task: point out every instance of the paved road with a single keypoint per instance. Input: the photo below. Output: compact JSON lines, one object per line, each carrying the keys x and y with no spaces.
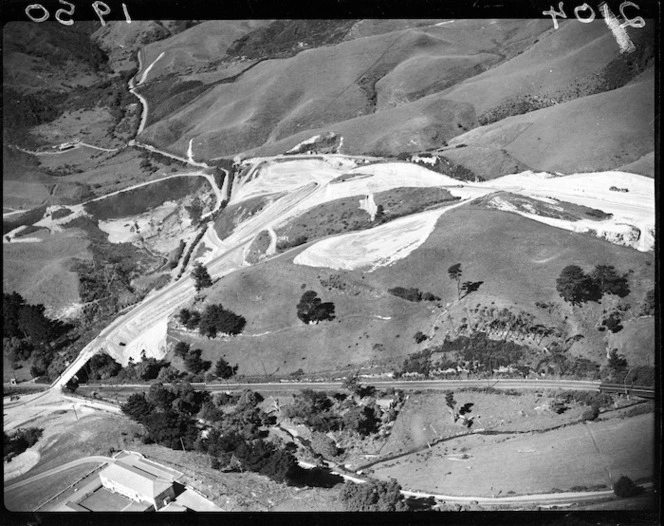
{"x":59,"y":469}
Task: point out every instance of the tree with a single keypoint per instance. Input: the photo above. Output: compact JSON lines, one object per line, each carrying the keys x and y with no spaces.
{"x":102,"y":366}
{"x":194,"y":363}
{"x":455,"y":274}
{"x":648,"y":305}
{"x":224,"y":370}
{"x":574,"y":285}
{"x":137,"y":407}
{"x":195,"y":210}
{"x":201,"y":277}
{"x":168,"y":374}
{"x":34,"y":324}
{"x":184,"y":316}
{"x":470,"y":286}
{"x":420,"y":337}
{"x":161,"y":397}
{"x":216,"y":319}
{"x":11,"y":305}
{"x":311,"y":309}
{"x":181,"y":349}
{"x":608,"y":281}
{"x":625,"y":487}
{"x":373,"y":496}
{"x":362,"y":419}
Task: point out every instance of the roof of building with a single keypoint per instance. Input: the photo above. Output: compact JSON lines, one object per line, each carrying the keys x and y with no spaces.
{"x":148,"y":466}
{"x":145,"y":484}
{"x":194,"y":501}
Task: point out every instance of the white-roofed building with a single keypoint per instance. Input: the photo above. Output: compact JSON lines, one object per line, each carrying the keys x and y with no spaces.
{"x":140,"y":480}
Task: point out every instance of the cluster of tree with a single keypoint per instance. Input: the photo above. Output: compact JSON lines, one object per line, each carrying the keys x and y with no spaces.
{"x":455,"y":273}
{"x":202,"y":228}
{"x":192,"y":358}
{"x":441,"y":164}
{"x":576,"y":287}
{"x":420,"y":337}
{"x":25,"y":321}
{"x":616,"y":367}
{"x":102,"y":366}
{"x":323,"y":414}
{"x":284,"y":38}
{"x":295,"y":242}
{"x":176,"y":254}
{"x":477,"y":352}
{"x":213,"y":320}
{"x":373,"y":496}
{"x":29,"y":334}
{"x":412,"y":294}
{"x":236,"y":442}
{"x":311,"y":308}
{"x":18,"y":442}
{"x":168,"y":414}
{"x":148,"y":368}
{"x":195,"y":211}
{"x":27,"y":110}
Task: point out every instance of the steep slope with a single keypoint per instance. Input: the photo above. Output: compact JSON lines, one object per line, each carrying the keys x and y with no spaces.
{"x":593,"y":133}
{"x":319,"y":87}
{"x":199,"y":48}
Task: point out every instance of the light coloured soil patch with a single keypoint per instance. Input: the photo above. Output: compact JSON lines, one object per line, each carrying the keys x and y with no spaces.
{"x":373,"y":248}
{"x":580,"y":455}
{"x":40,"y":271}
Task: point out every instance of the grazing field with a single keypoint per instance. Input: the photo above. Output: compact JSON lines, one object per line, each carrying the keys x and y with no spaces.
{"x":41,"y":273}
{"x":346,"y":215}
{"x":578,"y":457}
{"x":425,"y":417}
{"x":285,"y":93}
{"x":565,"y":137}
{"x":372,"y":326}
{"x":144,"y":198}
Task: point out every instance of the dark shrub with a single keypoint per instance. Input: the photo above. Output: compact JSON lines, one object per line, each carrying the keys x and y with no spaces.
{"x":625,"y":487}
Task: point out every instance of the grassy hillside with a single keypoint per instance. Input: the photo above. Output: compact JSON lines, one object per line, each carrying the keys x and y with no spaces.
{"x":197,"y":49}
{"x":518,"y":260}
{"x":593,"y":133}
{"x":144,"y":198}
{"x":330,"y":84}
{"x":41,"y":272}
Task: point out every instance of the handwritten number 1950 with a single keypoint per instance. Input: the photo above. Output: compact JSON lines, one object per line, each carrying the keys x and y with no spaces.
{"x":38,"y":13}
